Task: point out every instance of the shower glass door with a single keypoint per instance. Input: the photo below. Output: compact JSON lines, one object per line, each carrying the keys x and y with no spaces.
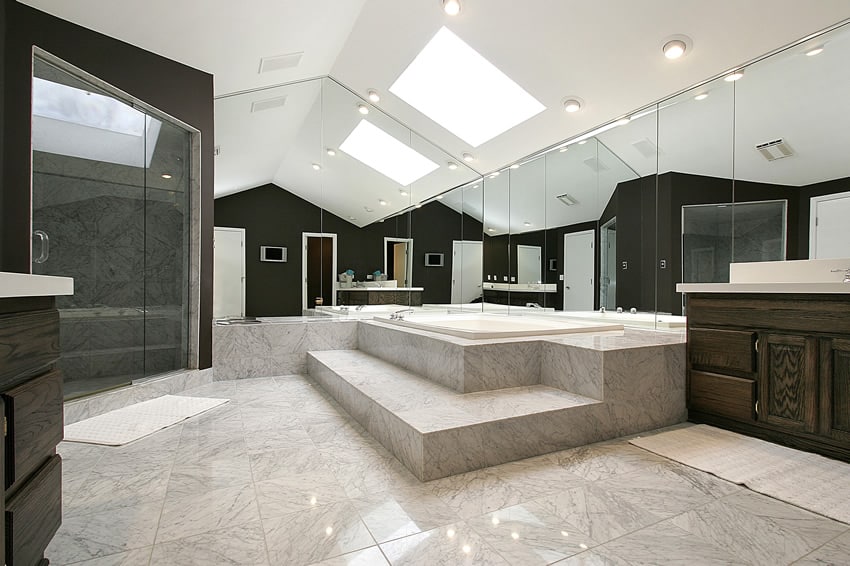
{"x":110,"y":190}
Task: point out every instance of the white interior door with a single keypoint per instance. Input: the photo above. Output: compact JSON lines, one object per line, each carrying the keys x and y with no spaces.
{"x":528,"y":260}
{"x":828,"y":233}
{"x":467,"y":270}
{"x":228,"y":272}
{"x":578,"y":271}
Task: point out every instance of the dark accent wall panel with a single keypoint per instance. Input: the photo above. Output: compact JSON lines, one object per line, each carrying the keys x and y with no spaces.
{"x":174,"y":88}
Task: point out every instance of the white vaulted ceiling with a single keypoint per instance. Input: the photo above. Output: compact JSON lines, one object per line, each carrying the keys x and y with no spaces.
{"x":607,"y":52}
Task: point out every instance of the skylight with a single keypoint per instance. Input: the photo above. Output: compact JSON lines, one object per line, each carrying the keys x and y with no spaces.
{"x":455,"y":86}
{"x":74,"y":122}
{"x":374,"y":147}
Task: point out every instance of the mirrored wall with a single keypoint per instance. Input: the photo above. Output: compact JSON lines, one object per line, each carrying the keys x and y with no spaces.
{"x":752,"y":169}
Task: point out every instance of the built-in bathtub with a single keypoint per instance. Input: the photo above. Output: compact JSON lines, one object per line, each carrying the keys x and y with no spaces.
{"x":638,"y":319}
{"x":483,"y":326}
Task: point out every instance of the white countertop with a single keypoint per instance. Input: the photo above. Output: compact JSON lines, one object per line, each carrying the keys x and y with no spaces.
{"x":381,"y":289}
{"x":814,"y":288}
{"x":26,"y":285}
{"x":524,"y":287}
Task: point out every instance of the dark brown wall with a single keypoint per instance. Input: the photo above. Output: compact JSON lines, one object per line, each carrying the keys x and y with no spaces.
{"x":177,"y":90}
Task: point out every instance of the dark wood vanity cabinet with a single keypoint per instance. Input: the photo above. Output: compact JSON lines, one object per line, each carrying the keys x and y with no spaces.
{"x":772,"y":366}
{"x":31,"y":393}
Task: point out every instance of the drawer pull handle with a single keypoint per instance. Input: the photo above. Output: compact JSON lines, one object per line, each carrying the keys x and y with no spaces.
{"x":757,"y":346}
{"x":757,"y":404}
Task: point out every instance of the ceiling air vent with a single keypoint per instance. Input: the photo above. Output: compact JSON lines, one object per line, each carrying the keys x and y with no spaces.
{"x":567,"y":199}
{"x":646,"y":148}
{"x":776,"y":149}
{"x":268,"y":104}
{"x":280,"y":62}
{"x":595,"y":164}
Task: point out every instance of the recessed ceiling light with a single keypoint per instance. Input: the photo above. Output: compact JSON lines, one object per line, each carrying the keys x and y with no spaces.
{"x":572,"y":105}
{"x":373,"y":96}
{"x":374,"y":147}
{"x":451,"y":7}
{"x":622,"y":121}
{"x":494,"y":174}
{"x":166,"y":175}
{"x":582,"y":142}
{"x":316,"y":167}
{"x":674,"y":49}
{"x":526,"y":223}
{"x":367,"y":209}
{"x":382,"y":202}
{"x":563,"y":149}
{"x":351,"y":218}
{"x":418,"y":205}
{"x":814,"y":51}
{"x":701,"y":96}
{"x":402,"y":192}
{"x":439,"y":197}
{"x":331,"y":152}
{"x":515,"y":166}
{"x":456,"y":87}
{"x":468,"y":157}
{"x":731,"y":77}
{"x":363,"y":109}
{"x":452,"y":165}
{"x":491,"y":229}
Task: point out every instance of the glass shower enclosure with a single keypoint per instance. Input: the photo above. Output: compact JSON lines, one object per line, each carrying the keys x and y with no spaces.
{"x":110,"y":208}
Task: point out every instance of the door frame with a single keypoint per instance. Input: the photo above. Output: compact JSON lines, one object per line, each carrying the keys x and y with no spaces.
{"x":813,"y":202}
{"x":592,"y":233}
{"x":242,"y":279}
{"x":334,"y":287}
{"x":459,"y":244}
{"x":409,"y":262}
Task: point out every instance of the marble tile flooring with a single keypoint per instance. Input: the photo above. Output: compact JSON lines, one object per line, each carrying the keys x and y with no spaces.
{"x":281,"y":476}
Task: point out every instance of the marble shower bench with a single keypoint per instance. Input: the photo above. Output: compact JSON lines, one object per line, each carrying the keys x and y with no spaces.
{"x":445,"y":405}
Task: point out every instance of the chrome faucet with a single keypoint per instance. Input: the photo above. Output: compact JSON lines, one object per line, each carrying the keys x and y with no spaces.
{"x":399,"y":315}
{"x":359,"y":307}
{"x":533,"y":306}
{"x":846,"y":273}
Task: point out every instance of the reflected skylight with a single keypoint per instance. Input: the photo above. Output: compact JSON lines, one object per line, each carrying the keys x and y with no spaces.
{"x":374,"y":147}
{"x":455,"y":86}
{"x":74,"y":122}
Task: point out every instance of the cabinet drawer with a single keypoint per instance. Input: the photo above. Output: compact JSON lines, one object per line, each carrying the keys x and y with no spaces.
{"x":722,"y":349}
{"x":29,"y":343}
{"x":722,"y":395}
{"x":34,"y":514}
{"x":34,"y":415}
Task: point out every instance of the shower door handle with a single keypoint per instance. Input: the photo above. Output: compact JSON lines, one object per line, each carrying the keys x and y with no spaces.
{"x":45,"y":246}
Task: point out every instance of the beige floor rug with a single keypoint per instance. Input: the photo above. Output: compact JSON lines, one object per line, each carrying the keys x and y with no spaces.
{"x":136,"y":421}
{"x":810,"y":481}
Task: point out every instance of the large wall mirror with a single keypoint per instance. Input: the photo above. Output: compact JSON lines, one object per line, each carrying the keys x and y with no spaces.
{"x":752,"y":169}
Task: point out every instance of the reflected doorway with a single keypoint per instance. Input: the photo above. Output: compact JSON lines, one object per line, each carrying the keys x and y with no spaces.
{"x":828,"y":234}
{"x":608,"y":264}
{"x":318,"y":270}
{"x":579,"y":263}
{"x":398,"y":260}
{"x":528,"y":264}
{"x":467,"y":267}
{"x":229,"y":272}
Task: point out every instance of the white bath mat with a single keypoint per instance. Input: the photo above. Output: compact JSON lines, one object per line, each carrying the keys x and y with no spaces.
{"x":136,"y":421}
{"x":806,"y":480}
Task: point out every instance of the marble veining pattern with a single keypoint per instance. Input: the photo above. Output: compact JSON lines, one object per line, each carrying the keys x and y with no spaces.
{"x":625,"y":505}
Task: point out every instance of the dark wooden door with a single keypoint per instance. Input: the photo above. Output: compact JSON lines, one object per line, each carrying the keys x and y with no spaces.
{"x":835,"y":389}
{"x":788,"y":381}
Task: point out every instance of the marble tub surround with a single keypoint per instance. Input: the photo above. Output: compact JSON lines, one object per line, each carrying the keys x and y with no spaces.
{"x":143,"y":390}
{"x":562,"y":395}
{"x":274,"y":347}
{"x":617,"y":503}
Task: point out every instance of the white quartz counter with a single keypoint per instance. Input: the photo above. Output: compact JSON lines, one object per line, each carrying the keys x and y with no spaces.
{"x":523,"y":287}
{"x":381,"y":289}
{"x":26,"y":285}
{"x":815,"y":288}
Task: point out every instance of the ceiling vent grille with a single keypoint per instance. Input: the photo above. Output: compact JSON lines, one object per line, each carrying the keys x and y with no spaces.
{"x":268,"y":104}
{"x":646,"y":148}
{"x":595,"y":164}
{"x":280,"y":62}
{"x":568,"y":200}
{"x":776,"y":149}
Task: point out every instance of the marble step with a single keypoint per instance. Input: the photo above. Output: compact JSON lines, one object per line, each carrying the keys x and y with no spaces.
{"x":436,"y":431}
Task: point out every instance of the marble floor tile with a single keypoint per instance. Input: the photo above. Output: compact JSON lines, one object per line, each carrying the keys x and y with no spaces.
{"x":107,"y":488}
{"x":598,"y":556}
{"x":243,"y":545}
{"x":455,"y":544}
{"x":601,"y":461}
{"x":316,"y":534}
{"x":371,"y":556}
{"x":664,"y":543}
{"x":196,"y":514}
{"x":299,"y":459}
{"x":836,"y":552}
{"x":137,"y":557}
{"x":296,"y":492}
{"x":759,"y":529}
{"x":402,"y":512}
{"x":530,"y":534}
{"x":276,"y":439}
{"x":83,"y":537}
{"x":200,"y":476}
